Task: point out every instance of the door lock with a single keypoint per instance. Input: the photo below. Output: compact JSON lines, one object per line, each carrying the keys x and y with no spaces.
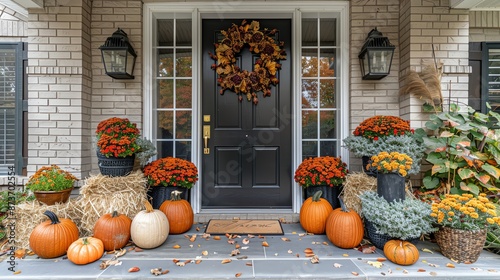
{"x":206,"y":136}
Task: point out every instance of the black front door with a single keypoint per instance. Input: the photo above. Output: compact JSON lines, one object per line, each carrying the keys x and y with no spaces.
{"x":248,"y":164}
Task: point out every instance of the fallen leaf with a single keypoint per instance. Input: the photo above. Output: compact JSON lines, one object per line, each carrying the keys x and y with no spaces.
{"x":421,"y":270}
{"x":315,"y":259}
{"x":197,"y":229}
{"x":120,"y":253}
{"x":325,"y":243}
{"x":245,"y":241}
{"x":197,"y":262}
{"x":285,"y":239}
{"x":156,"y":271}
{"x":238,"y":274}
{"x":492,"y":270}
{"x":216,"y":237}
{"x":368,"y":249}
{"x":190,"y":245}
{"x":433,"y":273}
{"x":265,"y":244}
{"x":235,"y":252}
{"x":261,"y":236}
{"x":231,"y":241}
{"x":302,"y":234}
{"x":433,"y":264}
{"x":180,"y":263}
{"x":337,"y":265}
{"x":186,"y":236}
{"x":381,"y":259}
{"x":345,"y":255}
{"x":20,"y":253}
{"x":176,"y":246}
{"x":297,"y":255}
{"x":248,"y":264}
{"x":137,"y":249}
{"x":244,"y":248}
{"x":290,"y":252}
{"x":354,"y":273}
{"x":450,"y":265}
{"x":175,"y":260}
{"x":427,"y":250}
{"x":308,"y":251}
{"x":134,"y":269}
{"x":308,"y":255}
{"x":17,"y":272}
{"x":476,"y":269}
{"x":193,"y":238}
{"x":250,"y":236}
{"x":242,"y":257}
{"x":165,"y":271}
{"x":405,"y":271}
{"x":467,"y":262}
{"x":237,"y":246}
{"x":187,"y":261}
{"x":204,"y":253}
{"x":224,"y":261}
{"x":453,"y":260}
{"x":375,"y":264}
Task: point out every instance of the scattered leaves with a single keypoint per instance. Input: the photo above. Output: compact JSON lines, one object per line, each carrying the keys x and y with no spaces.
{"x":224,"y":261}
{"x":17,"y":272}
{"x":204,"y":253}
{"x":245,"y":241}
{"x":290,"y":251}
{"x":180,"y":263}
{"x":345,"y":255}
{"x":156,"y":271}
{"x":405,"y":271}
{"x":248,"y":264}
{"x":355,"y":273}
{"x":198,"y":261}
{"x":325,"y":243}
{"x":337,"y":265}
{"x":427,"y":250}
{"x":450,"y":265}
{"x":367,"y":249}
{"x":421,"y":270}
{"x":193,"y":238}
{"x":176,"y":246}
{"x":235,"y":252}
{"x":286,"y":239}
{"x":216,"y":237}
{"x":381,"y":259}
{"x":134,"y":269}
{"x":265,"y":244}
{"x":376,"y":264}
{"x":315,"y":259}
{"x":237,"y":246}
{"x":237,"y":274}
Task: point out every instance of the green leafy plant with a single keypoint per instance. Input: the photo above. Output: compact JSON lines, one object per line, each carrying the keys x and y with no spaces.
{"x":464,"y":149}
{"x":146,"y":151}
{"x":404,"y":220}
{"x":51,"y":178}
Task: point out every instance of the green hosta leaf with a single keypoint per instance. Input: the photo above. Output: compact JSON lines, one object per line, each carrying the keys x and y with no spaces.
{"x":435,"y":158}
{"x":481,"y":117}
{"x":483,"y":178}
{"x":469,"y":188}
{"x":432,"y":125}
{"x":492,"y":170}
{"x":453,"y":165}
{"x":438,"y":169}
{"x":466,"y":173}
{"x":464,"y":127}
{"x":435,"y":143}
{"x":430,"y":182}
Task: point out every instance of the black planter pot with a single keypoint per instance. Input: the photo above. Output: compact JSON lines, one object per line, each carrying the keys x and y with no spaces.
{"x":391,"y":186}
{"x":115,"y":166}
{"x":158,"y":194}
{"x":365,"y":161}
{"x":378,"y":239}
{"x":331,"y":194}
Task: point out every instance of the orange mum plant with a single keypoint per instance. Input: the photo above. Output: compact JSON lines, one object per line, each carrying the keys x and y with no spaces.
{"x":51,"y":178}
{"x":117,"y":137}
{"x":379,"y":126}
{"x":318,"y":171}
{"x":171,"y":171}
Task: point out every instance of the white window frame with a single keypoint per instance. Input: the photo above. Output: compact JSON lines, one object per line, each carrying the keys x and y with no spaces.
{"x":245,"y":10}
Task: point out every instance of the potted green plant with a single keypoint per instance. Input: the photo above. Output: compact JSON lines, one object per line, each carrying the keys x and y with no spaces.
{"x":326,"y":174}
{"x":400,"y":219}
{"x":391,"y":169}
{"x":169,"y":174}
{"x":463,"y":224}
{"x":385,"y":133}
{"x":462,"y":147}
{"x":51,"y":184}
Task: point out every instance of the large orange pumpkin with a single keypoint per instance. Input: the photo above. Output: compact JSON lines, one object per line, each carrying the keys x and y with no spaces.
{"x":51,"y":238}
{"x":149,"y":227}
{"x":401,"y":252}
{"x":179,"y":213}
{"x":85,"y":250}
{"x":113,"y":230}
{"x":314,"y":212}
{"x":344,"y":227}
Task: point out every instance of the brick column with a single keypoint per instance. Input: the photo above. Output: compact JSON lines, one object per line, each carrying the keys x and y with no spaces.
{"x":59,"y":86}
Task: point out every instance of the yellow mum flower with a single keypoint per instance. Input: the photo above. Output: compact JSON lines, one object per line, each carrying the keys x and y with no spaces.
{"x":474,"y":215}
{"x":451,"y":213}
{"x":492,"y":212}
{"x":490,"y":221}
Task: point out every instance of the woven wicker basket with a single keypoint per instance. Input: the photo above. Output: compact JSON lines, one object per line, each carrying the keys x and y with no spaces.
{"x":464,"y":246}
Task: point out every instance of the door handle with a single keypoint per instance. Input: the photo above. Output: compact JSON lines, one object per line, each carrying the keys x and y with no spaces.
{"x":206,"y":136}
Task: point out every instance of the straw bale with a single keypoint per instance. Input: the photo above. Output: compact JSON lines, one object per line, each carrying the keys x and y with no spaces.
{"x":102,"y":194}
{"x":29,"y":214}
{"x":357,"y":183}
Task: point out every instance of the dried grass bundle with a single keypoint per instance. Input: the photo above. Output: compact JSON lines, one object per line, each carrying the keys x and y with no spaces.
{"x":30,"y":214}
{"x":425,"y":85}
{"x":103,"y":194}
{"x":357,"y":183}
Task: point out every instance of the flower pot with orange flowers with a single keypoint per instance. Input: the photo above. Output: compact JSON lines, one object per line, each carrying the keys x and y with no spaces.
{"x":169,"y":174}
{"x":51,"y":184}
{"x":326,"y":174}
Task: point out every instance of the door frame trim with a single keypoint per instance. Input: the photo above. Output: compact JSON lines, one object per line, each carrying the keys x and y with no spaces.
{"x":292,"y":10}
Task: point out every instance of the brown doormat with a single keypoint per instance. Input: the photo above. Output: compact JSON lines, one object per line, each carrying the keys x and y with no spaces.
{"x":244,"y":227}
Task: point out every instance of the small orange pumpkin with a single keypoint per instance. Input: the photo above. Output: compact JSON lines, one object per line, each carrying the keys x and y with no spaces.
{"x":113,"y":230}
{"x":401,"y":252}
{"x":85,"y":250}
{"x":51,"y":239}
{"x":179,"y":213}
{"x":344,"y":227}
{"x":314,"y":212}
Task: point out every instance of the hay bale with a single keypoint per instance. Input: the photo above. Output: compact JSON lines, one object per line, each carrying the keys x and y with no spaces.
{"x":356,"y":184}
{"x":30,"y":214}
{"x":102,"y":194}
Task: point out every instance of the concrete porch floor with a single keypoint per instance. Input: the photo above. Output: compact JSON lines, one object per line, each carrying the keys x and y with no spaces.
{"x":277,"y":261}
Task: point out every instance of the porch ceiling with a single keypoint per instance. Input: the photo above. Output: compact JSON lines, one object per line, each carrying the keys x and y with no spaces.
{"x":476,"y":5}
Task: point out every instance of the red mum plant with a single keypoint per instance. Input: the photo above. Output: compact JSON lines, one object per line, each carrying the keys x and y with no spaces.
{"x":171,"y":171}
{"x":117,"y":137}
{"x":379,"y":126}
{"x":321,"y":171}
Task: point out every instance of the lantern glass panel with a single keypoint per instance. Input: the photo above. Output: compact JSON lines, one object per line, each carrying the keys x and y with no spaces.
{"x":130,"y":62}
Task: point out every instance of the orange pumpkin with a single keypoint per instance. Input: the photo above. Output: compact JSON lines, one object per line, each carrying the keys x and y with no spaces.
{"x":314,"y":212}
{"x":85,"y":250}
{"x":113,"y":230}
{"x":401,"y":252}
{"x":51,"y":238}
{"x":179,"y":213}
{"x":344,"y":227}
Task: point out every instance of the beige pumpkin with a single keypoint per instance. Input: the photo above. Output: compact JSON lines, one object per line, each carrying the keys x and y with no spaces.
{"x":149,"y":228}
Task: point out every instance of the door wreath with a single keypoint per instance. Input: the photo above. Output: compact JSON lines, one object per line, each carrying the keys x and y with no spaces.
{"x":260,"y":42}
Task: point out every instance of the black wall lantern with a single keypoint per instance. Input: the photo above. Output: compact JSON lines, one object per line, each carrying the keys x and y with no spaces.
{"x":375,"y":58}
{"x":118,"y":56}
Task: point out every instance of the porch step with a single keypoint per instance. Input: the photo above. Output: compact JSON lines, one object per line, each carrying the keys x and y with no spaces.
{"x":284,"y":218}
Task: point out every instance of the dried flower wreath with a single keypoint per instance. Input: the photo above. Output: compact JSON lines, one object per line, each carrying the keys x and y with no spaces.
{"x":244,"y":82}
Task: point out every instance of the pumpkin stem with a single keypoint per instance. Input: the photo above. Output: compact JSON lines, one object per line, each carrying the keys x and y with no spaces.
{"x":342,"y":205}
{"x":115,"y":214}
{"x":316,"y":196}
{"x":149,"y":207}
{"x":175,"y":195}
{"x":85,"y":241}
{"x":52,"y":216}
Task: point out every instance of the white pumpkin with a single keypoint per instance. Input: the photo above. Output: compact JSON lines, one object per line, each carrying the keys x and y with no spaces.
{"x":149,"y":228}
